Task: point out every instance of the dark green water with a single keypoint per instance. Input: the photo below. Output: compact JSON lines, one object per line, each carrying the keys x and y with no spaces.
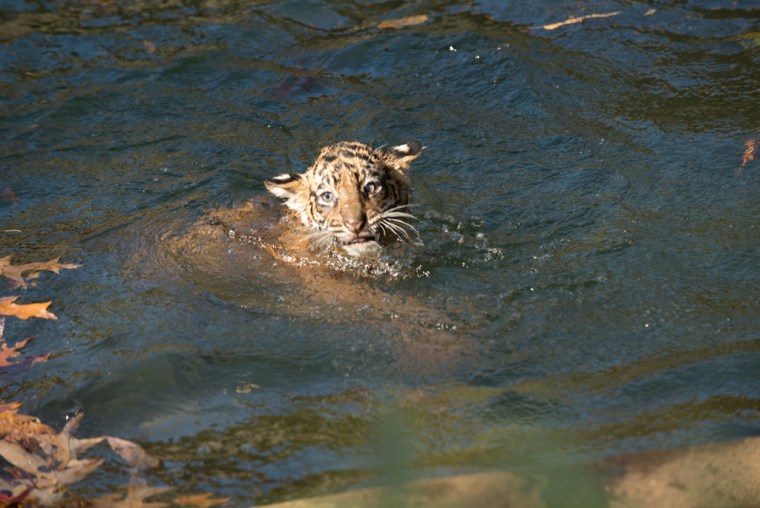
{"x":592,"y":247}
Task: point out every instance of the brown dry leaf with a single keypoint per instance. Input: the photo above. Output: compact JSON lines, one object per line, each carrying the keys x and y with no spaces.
{"x":19,"y":457}
{"x":25,"y":311}
{"x":201,"y":500}
{"x":580,"y":19}
{"x":8,"y":353}
{"x":17,"y":427}
{"x":750,"y":153}
{"x":135,"y":456}
{"x":17,"y":494}
{"x":58,"y":446}
{"x":38,"y":461}
{"x":402,"y":22}
{"x":78,"y":446}
{"x":10,"y":407}
{"x":135,"y":498}
{"x":75,"y":471}
{"x":16,"y":272}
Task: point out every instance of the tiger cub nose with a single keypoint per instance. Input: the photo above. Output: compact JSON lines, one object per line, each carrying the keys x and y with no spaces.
{"x":355,"y":226}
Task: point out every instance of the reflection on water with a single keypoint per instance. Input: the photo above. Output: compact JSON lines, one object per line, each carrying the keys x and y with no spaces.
{"x":587,"y":279}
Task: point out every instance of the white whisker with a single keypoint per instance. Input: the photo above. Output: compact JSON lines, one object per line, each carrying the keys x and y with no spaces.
{"x":392,"y":213}
{"x":399,"y":207}
{"x":402,"y":225}
{"x":399,"y":214}
{"x":398,"y":230}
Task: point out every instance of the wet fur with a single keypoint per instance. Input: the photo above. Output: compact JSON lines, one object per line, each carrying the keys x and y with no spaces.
{"x":353,"y":195}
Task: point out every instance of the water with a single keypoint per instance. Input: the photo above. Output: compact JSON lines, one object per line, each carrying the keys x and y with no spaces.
{"x":588,"y":283}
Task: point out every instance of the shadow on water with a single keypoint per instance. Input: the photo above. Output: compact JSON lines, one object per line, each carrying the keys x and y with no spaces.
{"x":587,"y":282}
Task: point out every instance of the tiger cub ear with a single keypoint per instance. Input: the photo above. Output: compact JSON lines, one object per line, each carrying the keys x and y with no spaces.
{"x":401,"y":156}
{"x":291,"y":187}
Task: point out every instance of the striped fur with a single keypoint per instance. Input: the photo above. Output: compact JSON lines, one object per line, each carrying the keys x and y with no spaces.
{"x":353,"y":195}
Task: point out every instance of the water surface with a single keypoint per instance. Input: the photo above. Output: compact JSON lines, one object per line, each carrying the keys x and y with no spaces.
{"x":588,"y":280}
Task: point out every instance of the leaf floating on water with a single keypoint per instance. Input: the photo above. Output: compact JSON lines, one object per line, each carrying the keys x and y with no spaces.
{"x":201,"y":501}
{"x":16,"y":272}
{"x":76,"y":470}
{"x":26,"y":310}
{"x":750,"y":153}
{"x":19,"y":457}
{"x":8,"y":353}
{"x":133,"y":453}
{"x":135,"y":498}
{"x":17,"y":494}
{"x":402,"y":22}
{"x":580,"y":19}
{"x":19,"y":427}
{"x":37,"y":462}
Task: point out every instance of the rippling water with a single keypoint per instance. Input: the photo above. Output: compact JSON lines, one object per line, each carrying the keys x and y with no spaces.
{"x":588,"y":283}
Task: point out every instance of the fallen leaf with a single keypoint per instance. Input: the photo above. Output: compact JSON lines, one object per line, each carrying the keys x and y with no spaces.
{"x":25,"y":311}
{"x":37,"y":462}
{"x":19,"y":457}
{"x":76,"y":470}
{"x":16,"y":272}
{"x":201,"y":500}
{"x":10,"y":407}
{"x":580,"y":19}
{"x":8,"y":353}
{"x":133,"y":453}
{"x":402,"y":22}
{"x":78,"y":446}
{"x":17,"y":427}
{"x":135,"y":498}
{"x":750,"y":153}
{"x":17,"y":494}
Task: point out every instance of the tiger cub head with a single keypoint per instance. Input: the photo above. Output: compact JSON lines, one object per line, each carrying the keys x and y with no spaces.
{"x":353,"y":195}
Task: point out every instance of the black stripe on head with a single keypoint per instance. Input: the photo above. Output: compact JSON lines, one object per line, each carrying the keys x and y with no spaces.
{"x":352,"y":145}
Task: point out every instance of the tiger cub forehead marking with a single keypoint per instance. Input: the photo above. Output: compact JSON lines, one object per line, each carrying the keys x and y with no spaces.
{"x":349,"y":156}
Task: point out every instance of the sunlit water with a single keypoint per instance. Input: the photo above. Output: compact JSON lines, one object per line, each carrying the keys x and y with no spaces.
{"x":587,"y":282}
